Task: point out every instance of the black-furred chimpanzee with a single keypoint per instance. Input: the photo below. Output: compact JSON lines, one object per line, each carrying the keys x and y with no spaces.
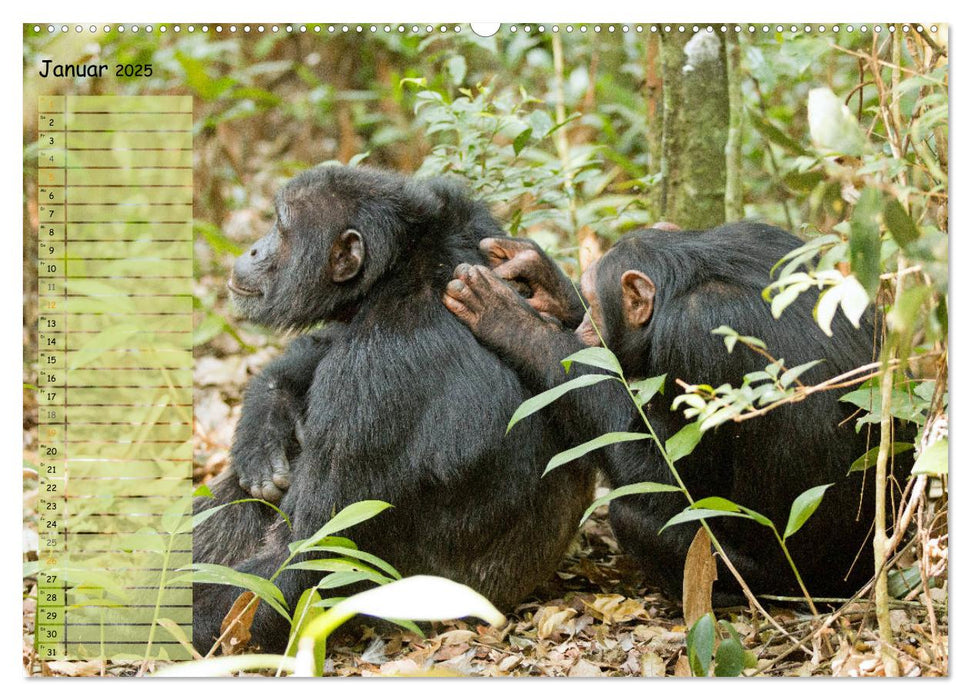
{"x":394,"y":399}
{"x":656,"y":296}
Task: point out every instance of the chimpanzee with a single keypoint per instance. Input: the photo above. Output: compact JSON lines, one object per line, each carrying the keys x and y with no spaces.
{"x":656,"y":296}
{"x":393,"y":399}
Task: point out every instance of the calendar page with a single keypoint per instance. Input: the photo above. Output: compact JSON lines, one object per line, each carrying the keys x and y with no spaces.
{"x":478,"y":350}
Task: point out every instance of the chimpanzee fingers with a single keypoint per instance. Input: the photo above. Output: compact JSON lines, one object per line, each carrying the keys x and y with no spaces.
{"x":281,"y":470}
{"x":270,"y":493}
{"x":498,"y":250}
{"x":300,"y":433}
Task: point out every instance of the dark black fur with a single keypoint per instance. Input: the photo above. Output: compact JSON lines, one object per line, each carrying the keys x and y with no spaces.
{"x":704,"y":280}
{"x":398,"y":402}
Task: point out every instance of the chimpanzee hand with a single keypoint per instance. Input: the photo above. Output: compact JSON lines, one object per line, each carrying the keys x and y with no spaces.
{"x":520,"y":260}
{"x":269,"y":433}
{"x":499,"y":317}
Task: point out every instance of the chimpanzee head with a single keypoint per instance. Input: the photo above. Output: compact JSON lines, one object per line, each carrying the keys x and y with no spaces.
{"x":622,"y":290}
{"x":338,"y":232}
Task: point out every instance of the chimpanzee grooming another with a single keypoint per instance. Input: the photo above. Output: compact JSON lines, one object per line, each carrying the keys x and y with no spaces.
{"x":655,"y":297}
{"x":393,"y":400}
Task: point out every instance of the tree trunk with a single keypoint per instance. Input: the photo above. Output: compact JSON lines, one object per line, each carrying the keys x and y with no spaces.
{"x":695,"y":129}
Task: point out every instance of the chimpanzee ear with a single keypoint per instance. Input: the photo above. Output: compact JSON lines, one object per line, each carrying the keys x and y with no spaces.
{"x":346,"y":256}
{"x":637,"y":292}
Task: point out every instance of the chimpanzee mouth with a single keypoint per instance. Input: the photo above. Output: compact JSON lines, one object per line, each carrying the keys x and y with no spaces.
{"x":242,"y":291}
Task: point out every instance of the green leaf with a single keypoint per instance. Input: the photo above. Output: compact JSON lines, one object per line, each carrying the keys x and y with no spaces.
{"x":774,"y":134}
{"x":589,"y":446}
{"x":219,"y":574}
{"x":870,"y":458}
{"x":804,"y":506}
{"x":377,"y":562}
{"x":628,"y":490}
{"x":729,"y":659}
{"x":933,"y":460}
{"x":540,"y":401}
{"x":865,"y":240}
{"x":791,"y":375}
{"x":31,"y":569}
{"x":203,"y":491}
{"x":701,"y":644}
{"x":732,"y":657}
{"x":303,"y":613}
{"x":348,"y":517}
{"x":683,"y":443}
{"x":647,"y":388}
{"x":689,"y":515}
{"x":595,"y":357}
{"x":723,"y":504}
{"x":519,"y":143}
{"x":898,"y":221}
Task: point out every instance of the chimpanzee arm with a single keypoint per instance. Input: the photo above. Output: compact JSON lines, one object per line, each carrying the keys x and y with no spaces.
{"x":269,"y":433}
{"x":534,"y":347}
{"x":521,"y":261}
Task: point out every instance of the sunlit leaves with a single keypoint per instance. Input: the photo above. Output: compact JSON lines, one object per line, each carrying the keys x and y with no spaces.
{"x":832,"y":126}
{"x":933,"y":460}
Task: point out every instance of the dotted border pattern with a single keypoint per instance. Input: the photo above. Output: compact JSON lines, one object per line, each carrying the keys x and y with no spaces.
{"x":455,"y":28}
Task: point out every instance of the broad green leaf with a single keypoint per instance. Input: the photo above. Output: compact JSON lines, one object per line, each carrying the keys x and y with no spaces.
{"x":346,"y":518}
{"x":339,"y":579}
{"x":335,"y":564}
{"x":689,"y":515}
{"x":870,"y":458}
{"x":735,"y":658}
{"x":865,"y":239}
{"x":540,"y":401}
{"x":804,"y":506}
{"x":717,"y":503}
{"x":377,"y":562}
{"x":701,"y":645}
{"x":303,"y":613}
{"x":219,"y":574}
{"x":628,"y":490}
{"x":589,"y":446}
{"x":898,"y":221}
{"x":933,"y":460}
{"x":203,"y":491}
{"x":595,"y":357}
{"x":729,"y":659}
{"x":521,"y":140}
{"x":647,"y":388}
{"x":683,"y":442}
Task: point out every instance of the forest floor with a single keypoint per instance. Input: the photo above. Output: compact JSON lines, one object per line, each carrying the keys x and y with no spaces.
{"x":596,"y":617}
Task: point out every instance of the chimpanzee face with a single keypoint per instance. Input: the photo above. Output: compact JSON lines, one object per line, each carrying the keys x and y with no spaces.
{"x":594,"y":316}
{"x":310,"y":267}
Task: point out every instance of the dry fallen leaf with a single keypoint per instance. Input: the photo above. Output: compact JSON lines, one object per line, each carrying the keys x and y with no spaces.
{"x":616,"y":608}
{"x":552,"y":620}
{"x":652,"y":665}
{"x":235,"y":627}
{"x":700,"y":573}
{"x":585,"y":669}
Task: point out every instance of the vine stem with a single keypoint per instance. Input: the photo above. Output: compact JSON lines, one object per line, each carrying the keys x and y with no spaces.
{"x":753,"y":601}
